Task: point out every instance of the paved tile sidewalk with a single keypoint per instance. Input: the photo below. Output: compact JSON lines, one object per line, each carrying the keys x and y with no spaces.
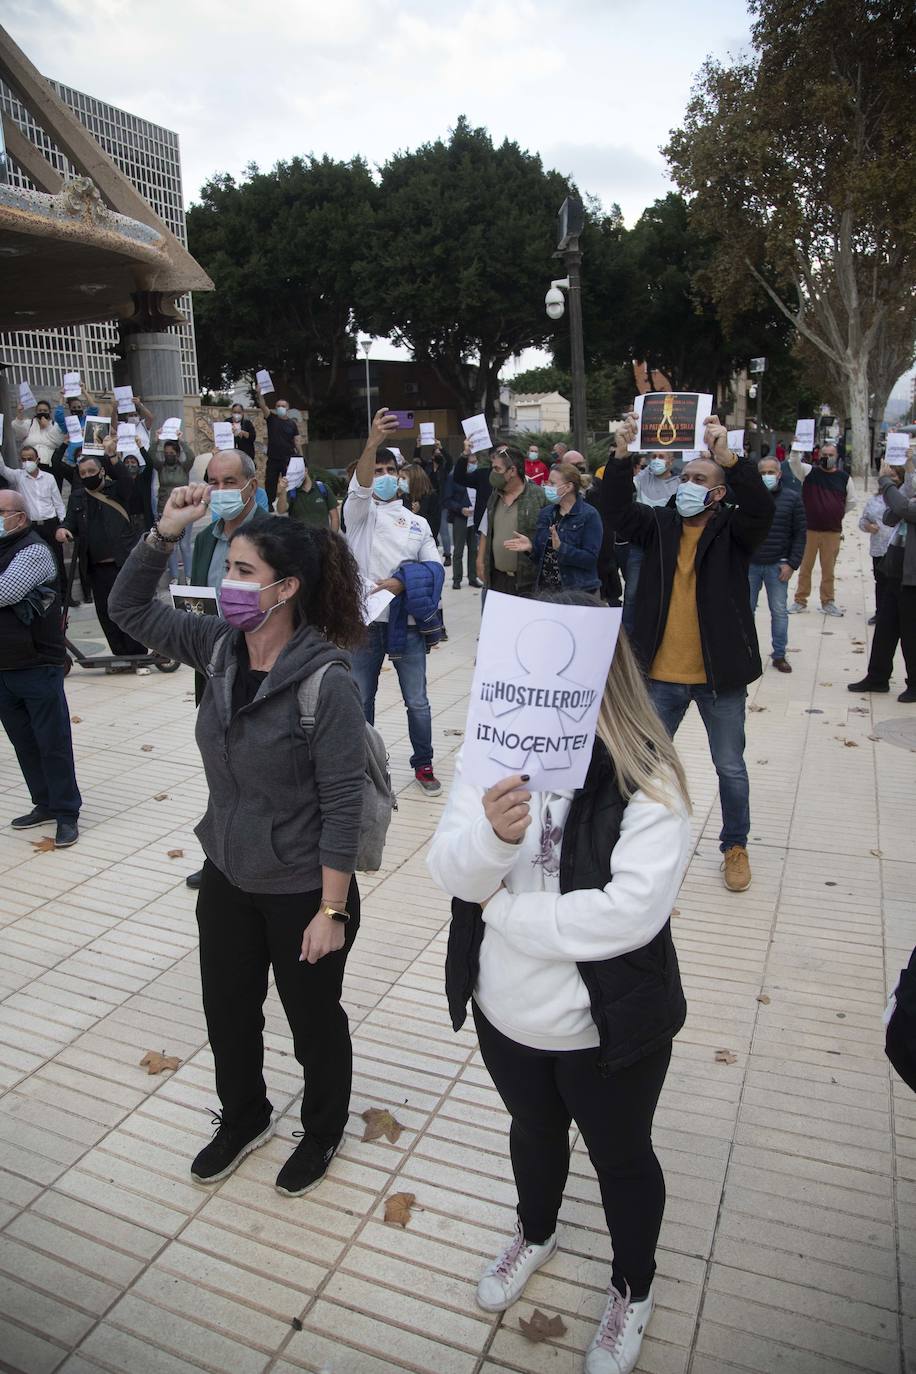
{"x":790,"y":1237}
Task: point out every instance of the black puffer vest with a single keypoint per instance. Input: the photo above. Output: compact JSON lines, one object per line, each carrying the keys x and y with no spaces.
{"x":637,"y":1001}
{"x":39,"y":644}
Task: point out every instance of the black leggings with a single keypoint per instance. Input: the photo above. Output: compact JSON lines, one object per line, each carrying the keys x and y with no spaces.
{"x":243,"y":934}
{"x":544,"y":1090}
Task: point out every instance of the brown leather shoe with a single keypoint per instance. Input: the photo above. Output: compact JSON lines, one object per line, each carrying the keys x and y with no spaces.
{"x":736,"y":868}
{"x":781,"y":665}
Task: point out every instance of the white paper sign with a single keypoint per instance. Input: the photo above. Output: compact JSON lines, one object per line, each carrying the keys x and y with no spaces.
{"x":476,"y":430}
{"x":537,"y":689}
{"x":194,"y":600}
{"x":171,"y":428}
{"x":374,"y":603}
{"x":896,"y":449}
{"x":95,"y":433}
{"x":264,"y":381}
{"x":671,"y":421}
{"x":804,"y":434}
{"x":223,"y":437}
{"x":427,"y":434}
{"x":72,"y":384}
{"x":127,"y":441}
{"x":74,"y":429}
{"x":26,"y":398}
{"x":736,"y":440}
{"x":397,"y":453}
{"x":142,"y":434}
{"x":295,"y":473}
{"x":124,"y":395}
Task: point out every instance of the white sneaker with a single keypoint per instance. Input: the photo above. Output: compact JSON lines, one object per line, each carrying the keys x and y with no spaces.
{"x":503,"y":1281}
{"x":832,"y":608}
{"x":797,"y":608}
{"x":615,"y":1348}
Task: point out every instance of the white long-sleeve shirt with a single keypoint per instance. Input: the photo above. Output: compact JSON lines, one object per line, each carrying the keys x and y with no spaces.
{"x":44,"y":440}
{"x":528,"y":984}
{"x":39,"y":491}
{"x":383,"y":535}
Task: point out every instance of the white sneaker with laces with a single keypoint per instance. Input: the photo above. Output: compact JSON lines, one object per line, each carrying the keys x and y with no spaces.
{"x":831,"y":608}
{"x":618,"y":1340}
{"x":503,"y":1281}
{"x":797,"y":608}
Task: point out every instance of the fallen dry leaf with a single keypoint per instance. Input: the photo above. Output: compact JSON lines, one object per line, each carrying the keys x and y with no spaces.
{"x":161,"y":796}
{"x":754,"y":707}
{"x":540,"y":1327}
{"x":76,"y":720}
{"x":176,"y":853}
{"x":675,"y":911}
{"x":764,"y":999}
{"x":397,"y":1208}
{"x":454,"y":732}
{"x":859,"y":710}
{"x":858,"y":651}
{"x":850,"y":744}
{"x":380,"y":1122}
{"x":45,"y":845}
{"x":878,"y":853}
{"x":726,"y":1057}
{"x":154,"y":1062}
{"x":876,"y":738}
{"x":825,"y":684}
{"x":762,"y":761}
{"x":146,"y":748}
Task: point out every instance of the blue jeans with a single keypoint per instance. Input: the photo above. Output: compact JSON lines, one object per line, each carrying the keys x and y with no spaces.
{"x":767,"y":575}
{"x":411,"y":671}
{"x":34,"y":713}
{"x":723,"y":716}
{"x":631,"y":582}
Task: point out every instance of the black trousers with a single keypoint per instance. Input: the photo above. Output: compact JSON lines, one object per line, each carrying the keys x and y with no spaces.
{"x":34,"y":713}
{"x":880,"y":582}
{"x":102,"y":579}
{"x":464,"y":536}
{"x":896,"y":623}
{"x":543,"y":1092}
{"x":242,"y":936}
{"x":275,"y":469}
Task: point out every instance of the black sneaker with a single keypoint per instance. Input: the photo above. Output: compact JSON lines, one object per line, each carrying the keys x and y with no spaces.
{"x":67,"y":834}
{"x":227,"y":1149}
{"x":194,"y":879}
{"x":37,"y":816}
{"x":306,"y":1167}
{"x":867,"y":685}
{"x":909,"y":696}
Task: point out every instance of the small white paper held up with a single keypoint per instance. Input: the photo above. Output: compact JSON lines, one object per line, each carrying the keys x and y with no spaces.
{"x":74,"y":429}
{"x":194,"y":600}
{"x":26,"y":397}
{"x":223,"y":437}
{"x":538,"y":684}
{"x":804,"y":434}
{"x":427,"y":434}
{"x":295,"y":473}
{"x":736,"y":440}
{"x":264,"y":380}
{"x":476,"y":430}
{"x":72,"y":384}
{"x":171,"y":428}
{"x":671,"y":421}
{"x":895,"y":450}
{"x":127,"y":440}
{"x":374,"y":602}
{"x":124,"y":395}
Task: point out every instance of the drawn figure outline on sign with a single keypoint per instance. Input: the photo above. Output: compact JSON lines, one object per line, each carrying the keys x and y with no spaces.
{"x":542,"y":720}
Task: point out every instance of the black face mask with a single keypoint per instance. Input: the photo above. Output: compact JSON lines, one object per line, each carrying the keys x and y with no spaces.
{"x":42,"y":415}
{"x":77,"y":413}
{"x":94,"y":482}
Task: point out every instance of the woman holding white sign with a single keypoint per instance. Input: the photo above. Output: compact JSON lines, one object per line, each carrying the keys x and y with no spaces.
{"x":561,"y":936}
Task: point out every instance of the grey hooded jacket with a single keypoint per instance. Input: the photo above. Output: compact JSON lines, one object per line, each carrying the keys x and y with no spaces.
{"x":901,"y":506}
{"x":281,"y":805}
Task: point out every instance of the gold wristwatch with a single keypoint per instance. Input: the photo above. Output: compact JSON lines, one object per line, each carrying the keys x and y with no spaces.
{"x":335,"y":914}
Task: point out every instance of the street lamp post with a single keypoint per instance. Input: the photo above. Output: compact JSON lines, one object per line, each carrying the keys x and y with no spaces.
{"x":570,"y":223}
{"x":365,"y":345}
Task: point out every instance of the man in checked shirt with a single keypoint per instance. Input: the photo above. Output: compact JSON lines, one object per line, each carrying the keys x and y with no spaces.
{"x":33,"y":707}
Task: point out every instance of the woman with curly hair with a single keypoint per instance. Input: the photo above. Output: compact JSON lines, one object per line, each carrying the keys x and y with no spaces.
{"x":282,"y":825}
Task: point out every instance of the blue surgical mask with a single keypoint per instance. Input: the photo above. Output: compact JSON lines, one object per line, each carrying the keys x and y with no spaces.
{"x":385,"y":487}
{"x":691,"y":499}
{"x":771,"y":480}
{"x":658,"y":467}
{"x":226,"y":505}
{"x":552,"y":493}
{"x":472,"y":466}
{"x":403,"y":486}
{"x":281,"y":411}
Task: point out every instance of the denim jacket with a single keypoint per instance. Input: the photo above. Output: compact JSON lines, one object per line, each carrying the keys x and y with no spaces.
{"x":581,"y":532}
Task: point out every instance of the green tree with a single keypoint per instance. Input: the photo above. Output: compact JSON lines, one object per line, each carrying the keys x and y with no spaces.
{"x":461,"y":257}
{"x":799,"y":162}
{"x":283,"y":249}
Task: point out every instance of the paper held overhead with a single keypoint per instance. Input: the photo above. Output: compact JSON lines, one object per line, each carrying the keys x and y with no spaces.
{"x":736,"y":440}
{"x":26,"y":397}
{"x":427,"y":434}
{"x":538,"y":685}
{"x":263,"y":379}
{"x":73,"y":386}
{"x":804,"y":433}
{"x":97,"y":430}
{"x":896,"y":447}
{"x":223,"y":437}
{"x":477,"y":432}
{"x":171,"y":428}
{"x":671,"y":421}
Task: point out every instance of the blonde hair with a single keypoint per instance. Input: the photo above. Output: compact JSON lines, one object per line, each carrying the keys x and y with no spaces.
{"x":570,"y":474}
{"x":418,"y":482}
{"x":642,"y":752}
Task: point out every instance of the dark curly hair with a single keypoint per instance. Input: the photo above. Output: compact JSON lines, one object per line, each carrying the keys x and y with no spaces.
{"x":330,"y":589}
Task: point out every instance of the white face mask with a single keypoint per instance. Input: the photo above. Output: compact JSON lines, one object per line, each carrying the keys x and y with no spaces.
{"x":30,"y":466}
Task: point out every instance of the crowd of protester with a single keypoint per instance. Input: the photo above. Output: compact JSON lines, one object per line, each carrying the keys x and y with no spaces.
{"x":560,"y":890}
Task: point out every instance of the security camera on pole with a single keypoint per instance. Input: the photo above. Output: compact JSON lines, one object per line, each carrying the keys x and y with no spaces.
{"x":570,"y":223}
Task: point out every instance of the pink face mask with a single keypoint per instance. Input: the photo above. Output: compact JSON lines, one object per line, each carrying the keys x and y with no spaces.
{"x":240,"y":603}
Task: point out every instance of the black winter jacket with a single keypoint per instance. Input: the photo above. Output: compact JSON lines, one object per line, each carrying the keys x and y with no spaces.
{"x":730,"y":650}
{"x":478,"y":482}
{"x":785,"y":542}
{"x":636,"y":999}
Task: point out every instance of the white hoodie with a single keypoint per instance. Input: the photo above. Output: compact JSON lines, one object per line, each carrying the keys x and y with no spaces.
{"x":528,"y":984}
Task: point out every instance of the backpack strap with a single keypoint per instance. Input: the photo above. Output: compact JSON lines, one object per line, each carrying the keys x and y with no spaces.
{"x":309,"y":692}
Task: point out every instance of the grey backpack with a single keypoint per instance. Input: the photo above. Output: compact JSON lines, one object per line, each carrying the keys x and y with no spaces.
{"x":378,"y":798}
